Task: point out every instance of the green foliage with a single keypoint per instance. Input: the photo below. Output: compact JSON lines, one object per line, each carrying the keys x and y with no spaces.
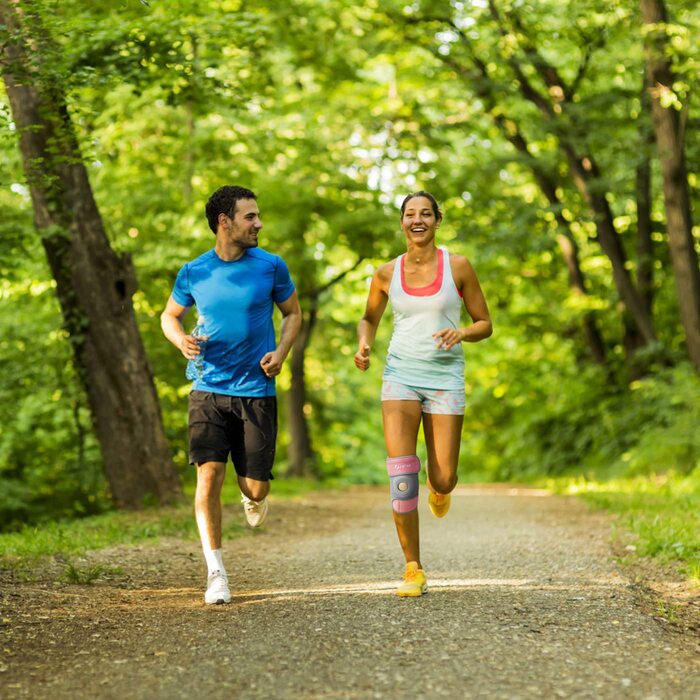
{"x":68,"y":539}
{"x":49,"y":461}
{"x":74,"y":538}
{"x":331,"y":112}
{"x":556,"y":423}
{"x":662,"y":512}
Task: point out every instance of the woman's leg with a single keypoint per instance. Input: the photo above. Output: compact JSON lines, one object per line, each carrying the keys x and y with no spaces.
{"x":443,"y":435}
{"x":401,"y":423}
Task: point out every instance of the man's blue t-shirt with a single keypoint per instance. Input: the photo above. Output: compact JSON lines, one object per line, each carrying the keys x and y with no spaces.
{"x":236,"y":300}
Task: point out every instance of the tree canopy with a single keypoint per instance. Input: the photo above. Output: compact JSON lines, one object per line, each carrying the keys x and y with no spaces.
{"x":532,"y":123}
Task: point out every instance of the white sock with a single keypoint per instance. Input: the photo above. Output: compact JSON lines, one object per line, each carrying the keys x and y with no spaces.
{"x":214,"y":560}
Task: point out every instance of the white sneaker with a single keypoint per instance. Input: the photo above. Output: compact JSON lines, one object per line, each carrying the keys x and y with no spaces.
{"x":217,"y":589}
{"x":255,"y":511}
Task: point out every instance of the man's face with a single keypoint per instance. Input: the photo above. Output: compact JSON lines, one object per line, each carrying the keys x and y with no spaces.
{"x":243,"y":226}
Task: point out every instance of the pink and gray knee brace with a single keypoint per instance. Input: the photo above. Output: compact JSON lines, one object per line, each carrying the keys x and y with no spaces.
{"x":403,"y":478}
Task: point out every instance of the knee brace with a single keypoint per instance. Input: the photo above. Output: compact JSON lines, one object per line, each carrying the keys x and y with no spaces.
{"x":403,"y":478}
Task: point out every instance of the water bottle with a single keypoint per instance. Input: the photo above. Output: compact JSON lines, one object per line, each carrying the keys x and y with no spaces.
{"x":195,"y":368}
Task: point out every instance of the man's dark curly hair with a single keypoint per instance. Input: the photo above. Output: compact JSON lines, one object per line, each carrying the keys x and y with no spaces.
{"x":223,"y":201}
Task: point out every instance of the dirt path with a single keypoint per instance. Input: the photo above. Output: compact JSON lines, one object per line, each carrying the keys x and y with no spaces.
{"x":524,"y":602}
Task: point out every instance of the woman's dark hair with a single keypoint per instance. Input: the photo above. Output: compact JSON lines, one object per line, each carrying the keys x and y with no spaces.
{"x":223,"y":201}
{"x":427,"y":195}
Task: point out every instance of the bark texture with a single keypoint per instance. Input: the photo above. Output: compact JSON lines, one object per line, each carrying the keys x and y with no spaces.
{"x":301,"y":455}
{"x":302,"y":460}
{"x":94,"y":284}
{"x":669,"y":132}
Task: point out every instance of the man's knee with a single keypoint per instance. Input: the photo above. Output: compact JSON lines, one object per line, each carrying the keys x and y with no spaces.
{"x":403,"y":478}
{"x":253,"y":488}
{"x":210,"y":475}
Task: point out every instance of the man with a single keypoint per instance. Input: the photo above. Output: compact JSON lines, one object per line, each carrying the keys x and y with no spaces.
{"x":232,"y":406}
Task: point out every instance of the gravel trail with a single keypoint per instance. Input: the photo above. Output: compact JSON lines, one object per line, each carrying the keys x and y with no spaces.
{"x":524,"y":601}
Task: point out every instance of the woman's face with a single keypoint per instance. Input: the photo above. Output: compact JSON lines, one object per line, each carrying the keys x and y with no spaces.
{"x":419,"y":221}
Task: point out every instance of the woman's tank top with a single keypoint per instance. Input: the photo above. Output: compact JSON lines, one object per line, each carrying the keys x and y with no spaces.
{"x":413,"y":357}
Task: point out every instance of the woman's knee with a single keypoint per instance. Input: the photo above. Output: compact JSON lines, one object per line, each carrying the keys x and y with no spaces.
{"x":444,"y":483}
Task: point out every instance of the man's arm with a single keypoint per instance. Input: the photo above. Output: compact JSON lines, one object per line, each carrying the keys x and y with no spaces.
{"x":271,"y":362}
{"x":171,"y":323}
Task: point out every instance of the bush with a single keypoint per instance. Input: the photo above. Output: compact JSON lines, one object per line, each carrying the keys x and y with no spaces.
{"x":582,"y":424}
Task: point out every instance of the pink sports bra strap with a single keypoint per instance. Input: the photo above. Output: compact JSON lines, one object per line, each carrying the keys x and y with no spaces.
{"x":429,"y":289}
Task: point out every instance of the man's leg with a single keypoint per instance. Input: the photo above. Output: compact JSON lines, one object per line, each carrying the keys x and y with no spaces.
{"x":253,"y":497}
{"x":252,"y":488}
{"x":207,"y":503}
{"x":207,"y":508}
{"x":253,"y":453}
{"x":442,"y":438}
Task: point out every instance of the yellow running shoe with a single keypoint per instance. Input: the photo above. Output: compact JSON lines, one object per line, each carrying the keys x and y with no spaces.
{"x":439,"y":504}
{"x":414,"y":582}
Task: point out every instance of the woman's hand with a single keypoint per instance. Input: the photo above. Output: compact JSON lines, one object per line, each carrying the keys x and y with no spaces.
{"x":362,"y":358}
{"x":447,"y":338}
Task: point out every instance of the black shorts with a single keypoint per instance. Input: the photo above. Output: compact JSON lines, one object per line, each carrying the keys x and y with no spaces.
{"x":244,"y":427}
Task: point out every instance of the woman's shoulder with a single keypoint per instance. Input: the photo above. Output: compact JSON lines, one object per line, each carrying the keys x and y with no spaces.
{"x":460,"y":263}
{"x":386,"y":270}
{"x":462,"y":272}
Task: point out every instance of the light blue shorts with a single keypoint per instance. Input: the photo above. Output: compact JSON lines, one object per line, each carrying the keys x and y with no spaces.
{"x":449,"y":402}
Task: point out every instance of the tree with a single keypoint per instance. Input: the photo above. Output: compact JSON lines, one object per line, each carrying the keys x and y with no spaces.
{"x":583,"y":166}
{"x":95,"y":285}
{"x":515,"y":71}
{"x":669,"y":110}
{"x":546,"y":180}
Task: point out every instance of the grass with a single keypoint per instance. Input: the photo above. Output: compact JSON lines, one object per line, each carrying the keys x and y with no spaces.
{"x":72,"y":538}
{"x":87,"y":575}
{"x":661,"y":511}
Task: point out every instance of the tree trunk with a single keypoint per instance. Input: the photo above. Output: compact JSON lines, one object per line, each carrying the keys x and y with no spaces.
{"x":569,"y":251}
{"x":644,"y":247}
{"x":632,"y":340}
{"x":565,"y":238}
{"x":669,"y":131}
{"x":301,"y":456}
{"x":585,"y":171}
{"x":302,"y":461}
{"x":94,"y":284}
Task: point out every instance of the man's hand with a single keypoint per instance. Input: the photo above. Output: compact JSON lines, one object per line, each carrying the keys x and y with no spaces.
{"x":189,"y":345}
{"x":362,"y":358}
{"x":271,"y":363}
{"x":447,"y":338}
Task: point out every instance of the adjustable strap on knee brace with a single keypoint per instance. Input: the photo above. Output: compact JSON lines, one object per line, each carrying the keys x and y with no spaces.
{"x":403,"y":479}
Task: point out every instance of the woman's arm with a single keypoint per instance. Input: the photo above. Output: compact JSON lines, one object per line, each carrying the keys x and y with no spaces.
{"x":467,"y":283}
{"x":376,"y":303}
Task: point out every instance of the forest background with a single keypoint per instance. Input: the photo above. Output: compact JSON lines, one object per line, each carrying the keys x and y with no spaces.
{"x":559,"y":138}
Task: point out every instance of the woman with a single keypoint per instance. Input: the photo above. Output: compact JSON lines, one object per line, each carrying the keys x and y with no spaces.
{"x":424,"y":372}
